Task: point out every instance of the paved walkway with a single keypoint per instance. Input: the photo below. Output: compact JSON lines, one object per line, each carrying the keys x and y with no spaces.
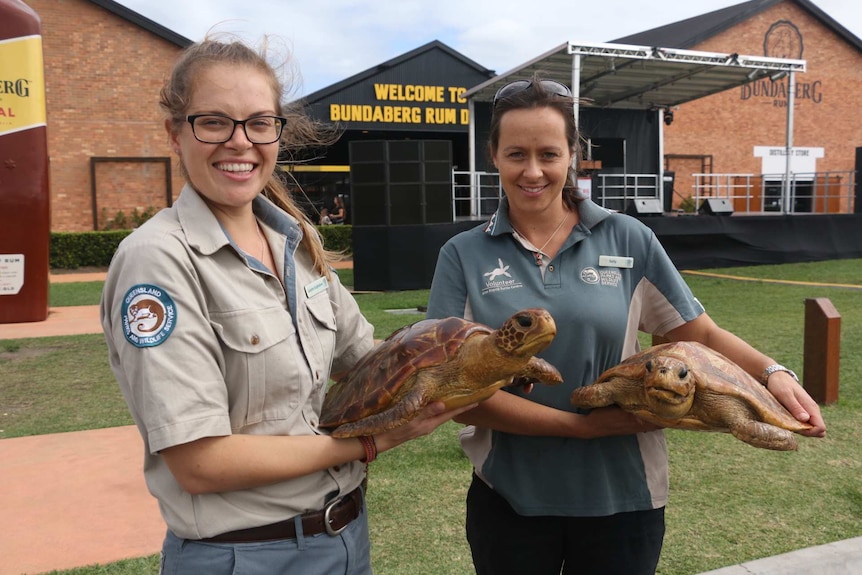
{"x":74,"y":499}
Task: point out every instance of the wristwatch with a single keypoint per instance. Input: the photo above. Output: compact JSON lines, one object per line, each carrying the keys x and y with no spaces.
{"x":764,"y":379}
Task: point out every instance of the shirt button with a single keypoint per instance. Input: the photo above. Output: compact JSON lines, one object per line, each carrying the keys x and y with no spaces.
{"x":550,"y":268}
{"x":255,"y":340}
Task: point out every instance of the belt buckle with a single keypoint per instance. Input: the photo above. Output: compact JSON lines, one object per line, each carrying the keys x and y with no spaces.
{"x":326,"y":520}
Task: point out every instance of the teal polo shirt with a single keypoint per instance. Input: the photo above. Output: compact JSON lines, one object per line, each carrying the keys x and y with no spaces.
{"x":610,"y":280}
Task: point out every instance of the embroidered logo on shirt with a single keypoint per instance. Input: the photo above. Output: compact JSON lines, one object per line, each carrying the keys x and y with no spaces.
{"x":499,"y":279}
{"x":607,"y":276}
{"x":590,"y":276}
{"x":500,"y":270}
{"x":149,"y":315}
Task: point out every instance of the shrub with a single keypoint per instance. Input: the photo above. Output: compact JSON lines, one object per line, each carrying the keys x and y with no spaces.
{"x":72,"y":250}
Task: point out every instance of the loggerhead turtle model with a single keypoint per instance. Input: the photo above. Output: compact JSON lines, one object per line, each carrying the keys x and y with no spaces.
{"x":687,"y":385}
{"x":452,"y":360}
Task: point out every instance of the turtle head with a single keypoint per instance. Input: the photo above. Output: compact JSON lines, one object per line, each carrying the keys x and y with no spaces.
{"x":526,"y":333}
{"x":669,"y":386}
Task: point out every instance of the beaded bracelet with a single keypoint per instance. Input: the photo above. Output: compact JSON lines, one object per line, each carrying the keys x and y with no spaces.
{"x":370,"y":448}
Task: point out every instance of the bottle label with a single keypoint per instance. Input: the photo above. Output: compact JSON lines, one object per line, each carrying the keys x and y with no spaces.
{"x":11,"y":273}
{"x":22,"y":85}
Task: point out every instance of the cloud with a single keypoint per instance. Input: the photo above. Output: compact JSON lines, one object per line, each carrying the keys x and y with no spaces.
{"x":335,"y":39}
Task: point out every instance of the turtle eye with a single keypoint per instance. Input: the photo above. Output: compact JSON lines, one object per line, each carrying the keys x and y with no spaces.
{"x":683,"y":371}
{"x":649,"y":365}
{"x":525,"y":321}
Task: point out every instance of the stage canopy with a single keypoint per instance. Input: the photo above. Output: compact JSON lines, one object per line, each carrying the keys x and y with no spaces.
{"x":640,"y":77}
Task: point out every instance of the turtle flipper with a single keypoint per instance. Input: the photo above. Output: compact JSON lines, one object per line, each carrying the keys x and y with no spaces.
{"x":537,"y":369}
{"x":397,"y":414}
{"x":760,"y":434}
{"x":599,"y":394}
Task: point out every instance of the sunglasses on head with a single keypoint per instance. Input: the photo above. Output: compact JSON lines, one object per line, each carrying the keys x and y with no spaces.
{"x":518,"y":86}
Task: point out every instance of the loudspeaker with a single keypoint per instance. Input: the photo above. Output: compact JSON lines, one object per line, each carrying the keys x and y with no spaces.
{"x":644,"y":207}
{"x":401,"y":182}
{"x":715,"y":207}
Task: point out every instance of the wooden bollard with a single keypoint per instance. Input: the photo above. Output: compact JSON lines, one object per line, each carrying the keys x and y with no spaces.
{"x":822,"y":349}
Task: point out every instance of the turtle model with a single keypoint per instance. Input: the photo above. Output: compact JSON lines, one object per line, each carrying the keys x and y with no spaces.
{"x":452,"y":360}
{"x":687,"y":385}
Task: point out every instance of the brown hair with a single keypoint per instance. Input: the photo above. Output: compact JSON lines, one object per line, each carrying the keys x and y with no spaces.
{"x":536,"y":96}
{"x":300,"y":132}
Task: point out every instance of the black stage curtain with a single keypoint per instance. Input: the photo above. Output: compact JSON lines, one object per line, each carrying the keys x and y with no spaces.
{"x":403,"y":257}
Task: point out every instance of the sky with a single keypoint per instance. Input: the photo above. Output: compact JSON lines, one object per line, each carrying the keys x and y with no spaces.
{"x":330,"y":40}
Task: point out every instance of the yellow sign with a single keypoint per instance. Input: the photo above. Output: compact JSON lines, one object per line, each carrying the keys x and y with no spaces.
{"x":22,"y":84}
{"x":407,"y":114}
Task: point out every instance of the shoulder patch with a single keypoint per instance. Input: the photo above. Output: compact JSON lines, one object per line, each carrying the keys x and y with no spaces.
{"x":149,"y":315}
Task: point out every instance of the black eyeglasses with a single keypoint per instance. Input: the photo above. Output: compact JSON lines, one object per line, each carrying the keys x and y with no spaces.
{"x":218,"y":129}
{"x":518,"y":86}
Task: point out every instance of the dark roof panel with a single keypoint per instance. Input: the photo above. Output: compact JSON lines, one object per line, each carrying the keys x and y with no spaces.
{"x":143,"y":22}
{"x":693,"y":31}
{"x":325,"y":93}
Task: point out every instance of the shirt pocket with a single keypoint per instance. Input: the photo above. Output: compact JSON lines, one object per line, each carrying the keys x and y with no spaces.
{"x":324,"y":326}
{"x":260,"y":367}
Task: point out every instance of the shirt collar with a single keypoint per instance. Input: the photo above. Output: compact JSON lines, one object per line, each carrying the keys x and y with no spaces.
{"x":589,"y":212}
{"x":205,"y":233}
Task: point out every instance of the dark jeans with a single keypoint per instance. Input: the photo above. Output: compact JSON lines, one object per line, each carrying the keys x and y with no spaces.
{"x":503,"y":542}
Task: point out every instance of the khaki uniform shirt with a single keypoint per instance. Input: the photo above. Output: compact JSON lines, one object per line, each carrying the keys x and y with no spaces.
{"x":205,"y":341}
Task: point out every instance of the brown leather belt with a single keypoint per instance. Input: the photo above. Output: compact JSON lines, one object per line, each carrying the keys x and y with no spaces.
{"x":332,"y":519}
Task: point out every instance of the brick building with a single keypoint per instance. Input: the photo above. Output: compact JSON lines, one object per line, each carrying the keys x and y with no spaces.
{"x":104,"y":66}
{"x":727,"y":133}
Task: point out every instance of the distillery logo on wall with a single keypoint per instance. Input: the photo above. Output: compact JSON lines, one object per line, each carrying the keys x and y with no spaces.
{"x":782,"y":40}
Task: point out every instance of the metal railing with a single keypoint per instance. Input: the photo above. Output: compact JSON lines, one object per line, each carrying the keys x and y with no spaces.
{"x":615,"y":191}
{"x":475,"y":195}
{"x":812,"y":192}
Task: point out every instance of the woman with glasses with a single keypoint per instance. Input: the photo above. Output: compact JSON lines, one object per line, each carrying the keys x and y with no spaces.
{"x":557,"y":489}
{"x":224,"y":325}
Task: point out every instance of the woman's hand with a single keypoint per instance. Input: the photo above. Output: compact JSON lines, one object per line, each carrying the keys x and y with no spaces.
{"x":429,"y":418}
{"x":797,"y":401}
{"x":608,"y":421}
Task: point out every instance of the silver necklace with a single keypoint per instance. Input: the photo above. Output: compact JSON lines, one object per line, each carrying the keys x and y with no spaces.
{"x":262,"y":241}
{"x":538,"y":254}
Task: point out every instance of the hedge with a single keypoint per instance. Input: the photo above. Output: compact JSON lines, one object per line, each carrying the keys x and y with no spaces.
{"x":72,"y":250}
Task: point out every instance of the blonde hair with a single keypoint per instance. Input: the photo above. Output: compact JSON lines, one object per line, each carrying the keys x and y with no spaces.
{"x":301,"y":131}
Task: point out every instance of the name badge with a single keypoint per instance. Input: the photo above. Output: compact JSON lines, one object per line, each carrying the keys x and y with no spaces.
{"x":616,"y":261}
{"x":316,"y":287}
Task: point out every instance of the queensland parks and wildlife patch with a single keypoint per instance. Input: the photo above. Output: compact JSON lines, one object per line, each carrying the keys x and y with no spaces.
{"x":149,"y":315}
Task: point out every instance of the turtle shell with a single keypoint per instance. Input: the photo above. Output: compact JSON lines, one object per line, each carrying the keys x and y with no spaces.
{"x":715,"y":375}
{"x":385,"y":374}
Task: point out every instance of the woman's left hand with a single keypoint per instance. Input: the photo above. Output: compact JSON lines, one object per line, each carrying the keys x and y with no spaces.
{"x":797,"y":401}
{"x":429,"y":418}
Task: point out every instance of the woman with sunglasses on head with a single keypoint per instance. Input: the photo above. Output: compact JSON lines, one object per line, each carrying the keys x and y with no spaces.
{"x":224,"y":323}
{"x":554,"y":489}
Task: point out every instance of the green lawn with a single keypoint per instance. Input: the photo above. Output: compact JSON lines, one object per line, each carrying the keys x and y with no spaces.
{"x":729,"y":502}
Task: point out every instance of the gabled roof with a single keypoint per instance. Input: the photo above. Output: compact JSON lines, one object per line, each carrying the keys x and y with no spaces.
{"x":692,"y":31}
{"x":143,"y":22}
{"x":398,"y":60}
